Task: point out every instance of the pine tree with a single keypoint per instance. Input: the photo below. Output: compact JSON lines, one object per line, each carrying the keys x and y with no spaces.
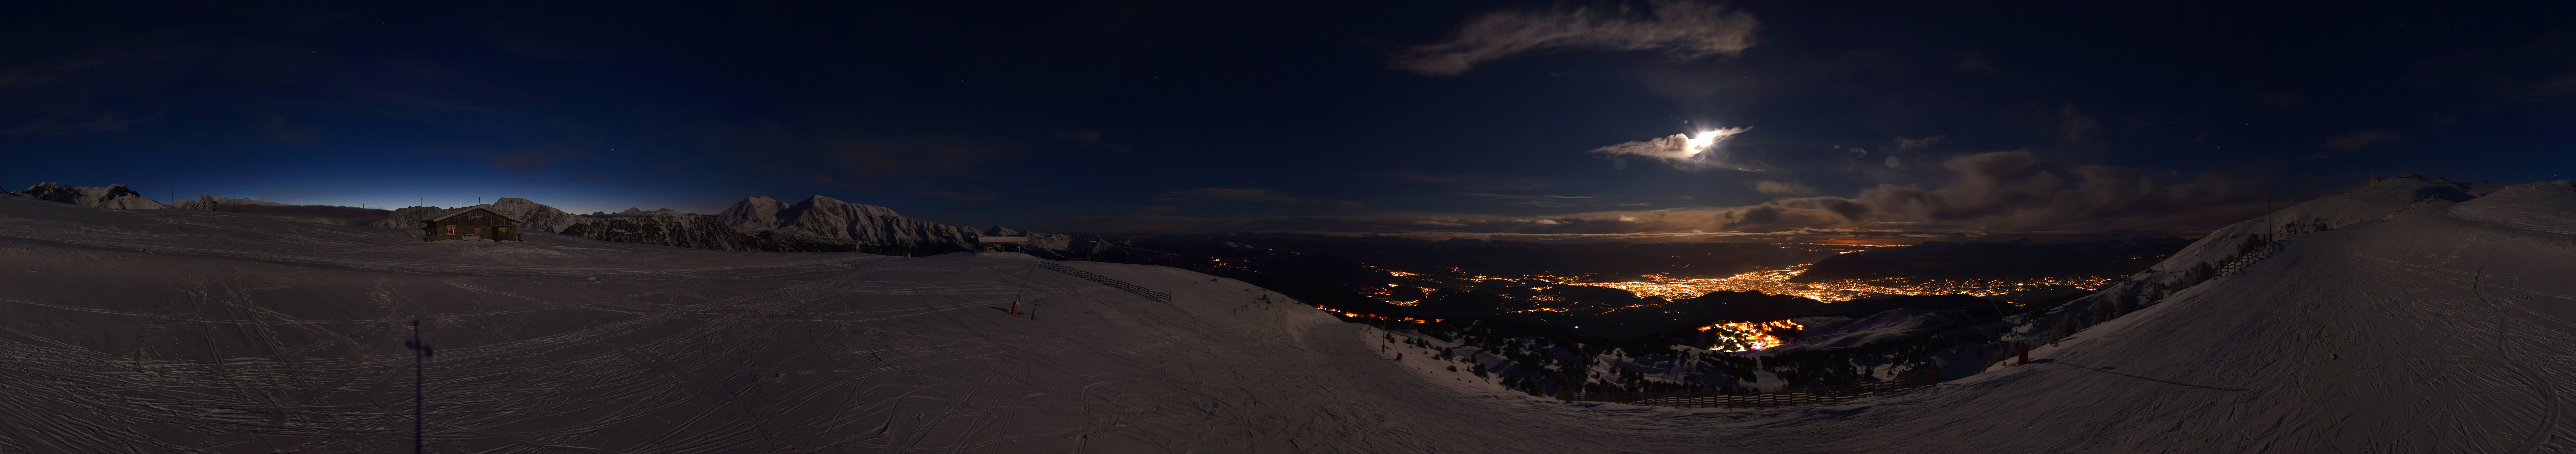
{"x":2065,"y":327}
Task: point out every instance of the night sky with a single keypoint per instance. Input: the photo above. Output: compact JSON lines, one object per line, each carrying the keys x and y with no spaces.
{"x":1933,"y":119}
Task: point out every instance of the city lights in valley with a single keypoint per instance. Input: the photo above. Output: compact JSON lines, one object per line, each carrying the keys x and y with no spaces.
{"x":1747,"y":336}
{"x":1776,"y":282}
{"x":1731,"y":336}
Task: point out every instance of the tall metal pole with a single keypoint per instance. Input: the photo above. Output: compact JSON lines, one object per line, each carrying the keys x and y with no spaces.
{"x":420,"y":352}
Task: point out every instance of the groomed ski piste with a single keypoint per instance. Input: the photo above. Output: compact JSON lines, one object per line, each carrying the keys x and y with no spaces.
{"x":2440,"y":325}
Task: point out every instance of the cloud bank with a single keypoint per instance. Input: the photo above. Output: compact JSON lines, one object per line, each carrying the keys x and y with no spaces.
{"x":2354,"y":141}
{"x":1999,"y":193}
{"x":1686,"y":29}
{"x":1233,"y":194}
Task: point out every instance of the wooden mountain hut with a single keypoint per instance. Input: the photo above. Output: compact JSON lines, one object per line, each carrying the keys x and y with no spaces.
{"x":474,"y":223}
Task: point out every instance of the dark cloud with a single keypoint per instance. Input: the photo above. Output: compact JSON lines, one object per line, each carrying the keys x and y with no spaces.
{"x":1781,"y":188}
{"x":1974,"y":63}
{"x":952,"y":156}
{"x":1685,"y":29}
{"x":1085,"y":137}
{"x":1985,"y":192}
{"x":1927,"y":142}
{"x":2354,"y":141}
{"x":2282,"y":99}
{"x":57,"y":125}
{"x":529,"y":160}
{"x":2009,"y":191}
{"x":1472,"y":182}
{"x":588,"y":177}
{"x":1542,"y":201}
{"x":2549,"y":90}
{"x":2077,"y":126}
{"x":979,"y":196}
{"x":1234,"y":195}
{"x":106,"y":87}
{"x":301,"y":135}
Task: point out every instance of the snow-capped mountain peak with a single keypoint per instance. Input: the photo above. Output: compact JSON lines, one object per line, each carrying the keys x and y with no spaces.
{"x":111,"y":196}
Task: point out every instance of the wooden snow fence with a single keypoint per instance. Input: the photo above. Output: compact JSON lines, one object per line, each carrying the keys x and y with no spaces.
{"x":2248,"y":260}
{"x":1105,"y":280}
{"x":1777,"y":399}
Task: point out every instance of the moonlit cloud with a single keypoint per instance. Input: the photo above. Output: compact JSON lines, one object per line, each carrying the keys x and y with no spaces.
{"x":1686,"y":29}
{"x":1702,"y":147}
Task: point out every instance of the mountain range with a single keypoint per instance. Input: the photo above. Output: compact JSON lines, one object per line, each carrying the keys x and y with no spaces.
{"x":111,"y":196}
{"x":760,"y":223}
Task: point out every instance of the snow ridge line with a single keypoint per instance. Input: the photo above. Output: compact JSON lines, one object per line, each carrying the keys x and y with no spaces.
{"x":1105,"y":280}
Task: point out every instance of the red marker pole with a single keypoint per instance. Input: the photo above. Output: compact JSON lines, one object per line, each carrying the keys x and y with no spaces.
{"x":2025,"y":355}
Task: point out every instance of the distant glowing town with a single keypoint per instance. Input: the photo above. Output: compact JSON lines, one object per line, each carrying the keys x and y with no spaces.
{"x":1776,"y":282}
{"x":1744,"y":336}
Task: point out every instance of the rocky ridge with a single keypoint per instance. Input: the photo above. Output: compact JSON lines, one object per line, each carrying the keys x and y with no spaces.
{"x":671,"y":229}
{"x":113,"y":196}
{"x":816,"y":224}
{"x":824,"y":224}
{"x":531,"y":215}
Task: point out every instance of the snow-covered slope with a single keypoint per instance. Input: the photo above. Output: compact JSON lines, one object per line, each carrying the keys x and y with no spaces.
{"x":187,"y":331}
{"x":2378,"y":201}
{"x":112,"y":196}
{"x":2436,"y":329}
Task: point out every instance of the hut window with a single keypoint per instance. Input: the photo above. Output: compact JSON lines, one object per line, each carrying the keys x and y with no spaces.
{"x":451,"y":230}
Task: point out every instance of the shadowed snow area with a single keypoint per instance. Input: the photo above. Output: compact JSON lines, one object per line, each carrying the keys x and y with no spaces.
{"x":179,"y":330}
{"x":2447,"y":329}
{"x":2443,"y":328}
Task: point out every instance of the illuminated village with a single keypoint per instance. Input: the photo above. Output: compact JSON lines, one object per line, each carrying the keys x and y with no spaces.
{"x":1733,"y":336}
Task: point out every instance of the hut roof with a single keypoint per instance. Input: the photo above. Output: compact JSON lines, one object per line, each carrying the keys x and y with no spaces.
{"x":485,"y":207}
